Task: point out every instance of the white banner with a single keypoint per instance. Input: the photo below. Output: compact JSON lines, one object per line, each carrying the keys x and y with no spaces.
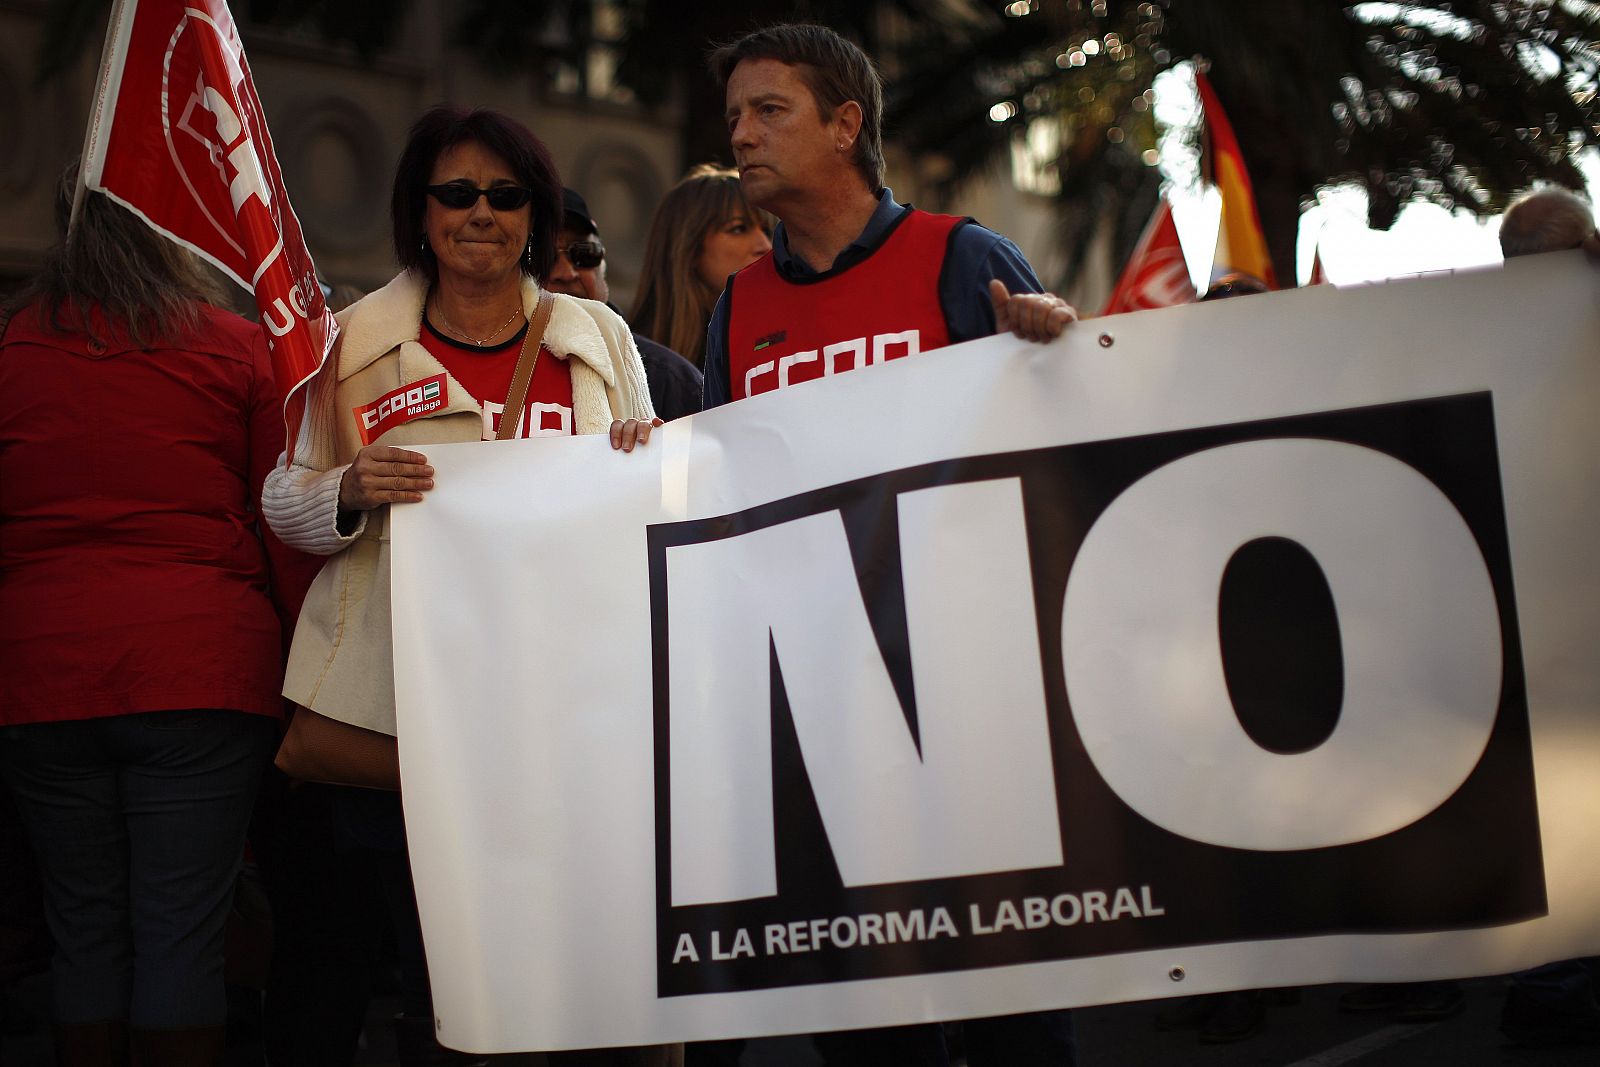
{"x":1234,"y":645}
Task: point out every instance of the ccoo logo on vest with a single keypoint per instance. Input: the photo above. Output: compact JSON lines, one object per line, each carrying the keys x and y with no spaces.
{"x":1223,"y":684}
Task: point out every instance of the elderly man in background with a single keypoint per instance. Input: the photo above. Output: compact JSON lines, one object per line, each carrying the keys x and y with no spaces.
{"x":1550,"y":220}
{"x":580,"y":270}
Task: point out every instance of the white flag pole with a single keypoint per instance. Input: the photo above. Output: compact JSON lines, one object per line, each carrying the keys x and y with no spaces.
{"x":108,"y":81}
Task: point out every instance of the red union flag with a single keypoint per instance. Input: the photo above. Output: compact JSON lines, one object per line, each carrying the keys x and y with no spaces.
{"x":1157,"y":275}
{"x":178,"y":136}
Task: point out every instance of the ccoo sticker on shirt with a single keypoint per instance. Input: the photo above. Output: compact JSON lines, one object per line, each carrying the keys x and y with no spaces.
{"x":409,"y":402}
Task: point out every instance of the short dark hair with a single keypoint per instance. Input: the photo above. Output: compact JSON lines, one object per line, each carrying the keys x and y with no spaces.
{"x":834,"y":69}
{"x":446,"y":126}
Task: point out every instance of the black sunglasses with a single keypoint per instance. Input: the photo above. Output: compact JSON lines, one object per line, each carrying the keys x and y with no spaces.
{"x":501,"y":197}
{"x":584,"y":255}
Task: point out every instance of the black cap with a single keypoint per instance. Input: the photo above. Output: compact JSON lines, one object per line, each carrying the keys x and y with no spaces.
{"x":577,"y":212}
{"x":1235,"y":283}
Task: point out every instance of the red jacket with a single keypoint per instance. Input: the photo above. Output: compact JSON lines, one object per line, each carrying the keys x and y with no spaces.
{"x":133,"y":571}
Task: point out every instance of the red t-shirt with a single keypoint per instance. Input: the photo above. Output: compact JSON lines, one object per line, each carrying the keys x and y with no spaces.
{"x":486,"y":375}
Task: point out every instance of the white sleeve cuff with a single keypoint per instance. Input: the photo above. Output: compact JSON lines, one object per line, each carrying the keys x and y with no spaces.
{"x":301,"y":505}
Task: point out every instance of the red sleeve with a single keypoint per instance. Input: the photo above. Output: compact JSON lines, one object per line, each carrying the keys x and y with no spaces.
{"x":291,"y":570}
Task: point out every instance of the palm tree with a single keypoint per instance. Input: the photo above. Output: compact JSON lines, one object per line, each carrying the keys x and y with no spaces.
{"x":1459,"y":102}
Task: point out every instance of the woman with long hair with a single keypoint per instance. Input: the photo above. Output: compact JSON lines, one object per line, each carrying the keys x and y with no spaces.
{"x":140,"y":669}
{"x":703,"y":230}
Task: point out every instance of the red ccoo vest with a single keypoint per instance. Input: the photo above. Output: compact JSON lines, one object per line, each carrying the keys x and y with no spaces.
{"x":783,"y":332}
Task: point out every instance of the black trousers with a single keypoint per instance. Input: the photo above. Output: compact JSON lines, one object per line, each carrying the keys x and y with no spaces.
{"x":138,"y":824}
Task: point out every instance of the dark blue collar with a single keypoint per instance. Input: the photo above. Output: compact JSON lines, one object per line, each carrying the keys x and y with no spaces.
{"x":878,"y":227}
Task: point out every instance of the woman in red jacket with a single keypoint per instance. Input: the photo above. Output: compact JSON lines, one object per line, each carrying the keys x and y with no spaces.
{"x":141,"y":658}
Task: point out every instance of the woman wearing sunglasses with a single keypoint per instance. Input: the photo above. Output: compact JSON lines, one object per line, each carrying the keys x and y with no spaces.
{"x":430,"y":358}
{"x":703,"y":230}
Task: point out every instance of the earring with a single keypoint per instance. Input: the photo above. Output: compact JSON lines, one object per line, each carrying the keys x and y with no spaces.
{"x":528,"y":255}
{"x":422,"y":245}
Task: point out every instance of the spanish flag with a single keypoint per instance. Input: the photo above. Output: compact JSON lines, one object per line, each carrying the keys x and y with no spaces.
{"x":1240,"y":245}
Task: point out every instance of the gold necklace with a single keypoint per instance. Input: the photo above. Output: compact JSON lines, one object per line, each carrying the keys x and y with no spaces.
{"x":437,"y":310}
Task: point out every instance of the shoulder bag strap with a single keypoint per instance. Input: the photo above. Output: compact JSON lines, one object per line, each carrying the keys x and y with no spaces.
{"x":522,"y":377}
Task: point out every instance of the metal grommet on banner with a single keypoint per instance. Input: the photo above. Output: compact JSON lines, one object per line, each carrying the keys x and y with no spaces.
{"x":1177,"y":974}
{"x":1106,"y":340}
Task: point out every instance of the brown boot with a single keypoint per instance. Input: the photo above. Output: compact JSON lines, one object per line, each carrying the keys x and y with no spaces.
{"x":91,"y":1044}
{"x":196,"y":1046}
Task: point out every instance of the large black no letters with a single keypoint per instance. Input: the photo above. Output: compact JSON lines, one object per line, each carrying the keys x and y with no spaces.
{"x":1474,"y":861}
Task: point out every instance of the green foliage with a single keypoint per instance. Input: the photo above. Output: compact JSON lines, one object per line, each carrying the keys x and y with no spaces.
{"x":963,"y":100}
{"x":1459,"y":102}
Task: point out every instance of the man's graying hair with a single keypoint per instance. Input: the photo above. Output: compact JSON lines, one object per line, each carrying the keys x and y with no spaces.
{"x":1546,"y":221}
{"x":835,"y":71}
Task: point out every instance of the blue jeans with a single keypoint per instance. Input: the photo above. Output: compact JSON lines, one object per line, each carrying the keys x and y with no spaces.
{"x":138,"y":823}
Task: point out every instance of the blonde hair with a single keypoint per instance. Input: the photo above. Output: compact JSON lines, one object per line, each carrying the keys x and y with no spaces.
{"x":674,"y":304}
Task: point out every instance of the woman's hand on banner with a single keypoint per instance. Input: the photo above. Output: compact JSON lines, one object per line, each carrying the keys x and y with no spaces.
{"x":624,"y":435}
{"x":384,"y":474}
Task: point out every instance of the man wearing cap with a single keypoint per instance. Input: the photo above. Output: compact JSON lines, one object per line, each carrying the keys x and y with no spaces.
{"x":580,"y":270}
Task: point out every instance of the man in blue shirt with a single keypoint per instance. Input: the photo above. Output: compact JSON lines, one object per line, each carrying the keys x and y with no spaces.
{"x":855,"y":278}
{"x":805,"y":117}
